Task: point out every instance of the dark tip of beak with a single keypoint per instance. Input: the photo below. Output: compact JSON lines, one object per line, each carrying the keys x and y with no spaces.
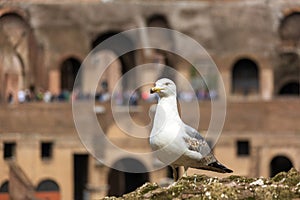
{"x":151,"y":91}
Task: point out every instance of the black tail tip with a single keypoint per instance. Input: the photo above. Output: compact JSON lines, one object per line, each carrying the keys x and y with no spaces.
{"x":228,"y":170}
{"x":219,"y":167}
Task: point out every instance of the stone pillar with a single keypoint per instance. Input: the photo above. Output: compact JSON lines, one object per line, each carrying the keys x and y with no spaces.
{"x":54,"y":81}
{"x":225,"y":70}
{"x":267,"y":83}
{"x":255,"y":162}
{"x":144,"y":38}
{"x":226,"y":81}
{"x":182,"y":72}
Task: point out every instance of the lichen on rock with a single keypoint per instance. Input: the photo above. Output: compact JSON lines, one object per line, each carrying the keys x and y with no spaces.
{"x":285,"y":185}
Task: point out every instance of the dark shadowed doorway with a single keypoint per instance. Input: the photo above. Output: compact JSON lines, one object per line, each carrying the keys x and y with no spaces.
{"x":80,"y":175}
{"x":280,"y":164}
{"x":121,"y":182}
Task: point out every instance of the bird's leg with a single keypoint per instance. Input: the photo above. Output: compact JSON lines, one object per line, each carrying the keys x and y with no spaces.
{"x":175,"y":176}
{"x":185,"y":171}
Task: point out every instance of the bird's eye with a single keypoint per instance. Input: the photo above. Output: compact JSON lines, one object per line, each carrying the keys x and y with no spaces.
{"x":168,"y":83}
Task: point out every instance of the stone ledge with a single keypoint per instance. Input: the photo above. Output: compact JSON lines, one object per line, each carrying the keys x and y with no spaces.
{"x":285,"y":185}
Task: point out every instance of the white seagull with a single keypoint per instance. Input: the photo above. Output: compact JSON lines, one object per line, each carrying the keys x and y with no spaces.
{"x":174,"y":142}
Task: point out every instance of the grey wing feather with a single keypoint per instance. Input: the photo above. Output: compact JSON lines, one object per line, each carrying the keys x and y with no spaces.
{"x":195,"y":141}
{"x":192,"y":132}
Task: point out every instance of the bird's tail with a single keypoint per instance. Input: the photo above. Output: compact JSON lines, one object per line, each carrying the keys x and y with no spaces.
{"x":216,"y":167}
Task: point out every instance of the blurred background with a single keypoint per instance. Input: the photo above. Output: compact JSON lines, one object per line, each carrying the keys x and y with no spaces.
{"x":254,"y":43}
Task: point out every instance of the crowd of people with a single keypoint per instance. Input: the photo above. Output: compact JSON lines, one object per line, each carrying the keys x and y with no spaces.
{"x":29,"y":95}
{"x":120,"y":98}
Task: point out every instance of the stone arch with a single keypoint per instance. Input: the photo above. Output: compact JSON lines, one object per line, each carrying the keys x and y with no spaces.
{"x":289,"y":30}
{"x":4,"y":190}
{"x":17,"y":42}
{"x":13,"y":76}
{"x":4,"y":187}
{"x":163,"y":40}
{"x":291,"y":88}
{"x":245,"y":77}
{"x":127,"y":60}
{"x":280,"y":163}
{"x":48,"y":190}
{"x":47,"y":185}
{"x":122,"y":182}
{"x":12,"y":65}
{"x":158,"y":20}
{"x":111,"y":75}
{"x":68,"y":72}
{"x":16,"y":11}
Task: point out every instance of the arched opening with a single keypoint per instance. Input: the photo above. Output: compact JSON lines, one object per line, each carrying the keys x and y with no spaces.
{"x":157,"y":20}
{"x":245,"y":77}
{"x":13,"y":77}
{"x":122,"y":182}
{"x":16,"y":58}
{"x":47,"y":190}
{"x":280,"y":164}
{"x":117,"y":46}
{"x":289,"y":29}
{"x":4,"y":191}
{"x":290,"y":89}
{"x":69,"y":70}
{"x":163,"y":39}
{"x":110,"y":77}
{"x":47,"y":185}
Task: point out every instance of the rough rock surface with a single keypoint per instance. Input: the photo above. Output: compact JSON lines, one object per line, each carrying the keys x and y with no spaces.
{"x":285,"y":185}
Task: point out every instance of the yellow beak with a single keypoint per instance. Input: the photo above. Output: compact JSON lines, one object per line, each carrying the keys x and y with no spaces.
{"x":155,"y":90}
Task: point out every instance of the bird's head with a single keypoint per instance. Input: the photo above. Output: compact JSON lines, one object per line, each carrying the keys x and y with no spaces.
{"x":164,"y":87}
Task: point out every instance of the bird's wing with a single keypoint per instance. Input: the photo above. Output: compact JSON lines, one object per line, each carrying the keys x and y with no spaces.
{"x":195,"y":142}
{"x":197,"y":145}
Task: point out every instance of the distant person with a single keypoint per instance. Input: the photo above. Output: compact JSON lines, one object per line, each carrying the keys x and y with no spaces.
{"x":105,"y":96}
{"x":39,"y":95}
{"x":28,"y":95}
{"x":47,"y":96}
{"x":21,"y":96}
{"x":10,"y":98}
{"x":133,"y":100}
{"x":64,"y":96}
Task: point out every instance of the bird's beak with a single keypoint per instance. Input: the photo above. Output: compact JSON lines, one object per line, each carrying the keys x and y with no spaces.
{"x":155,"y":90}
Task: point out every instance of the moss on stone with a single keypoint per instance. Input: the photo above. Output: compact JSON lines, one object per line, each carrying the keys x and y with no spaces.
{"x":285,"y":185}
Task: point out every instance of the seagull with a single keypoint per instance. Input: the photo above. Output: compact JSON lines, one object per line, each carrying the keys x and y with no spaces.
{"x":174,"y":142}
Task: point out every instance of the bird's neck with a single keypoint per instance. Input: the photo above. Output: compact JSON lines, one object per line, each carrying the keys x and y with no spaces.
{"x":167,"y":106}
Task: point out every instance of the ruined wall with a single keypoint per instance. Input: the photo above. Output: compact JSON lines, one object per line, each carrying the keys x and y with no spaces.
{"x":229,"y":30}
